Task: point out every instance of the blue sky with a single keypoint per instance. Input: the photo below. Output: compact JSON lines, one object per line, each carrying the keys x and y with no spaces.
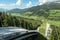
{"x":11,"y":4}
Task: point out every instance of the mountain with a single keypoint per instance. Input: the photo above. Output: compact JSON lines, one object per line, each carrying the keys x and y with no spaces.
{"x":50,"y":6}
{"x":16,"y":10}
{"x":2,"y":10}
{"x":54,"y":5}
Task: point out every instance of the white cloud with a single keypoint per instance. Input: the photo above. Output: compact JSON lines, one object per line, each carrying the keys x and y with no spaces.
{"x":42,"y":2}
{"x":18,"y":3}
{"x":5,"y":6}
{"x":29,"y":4}
{"x":10,"y":6}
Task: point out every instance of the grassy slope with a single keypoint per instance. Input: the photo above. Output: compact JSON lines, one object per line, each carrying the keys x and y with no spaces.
{"x":43,"y":25}
{"x":51,"y":22}
{"x":25,"y":16}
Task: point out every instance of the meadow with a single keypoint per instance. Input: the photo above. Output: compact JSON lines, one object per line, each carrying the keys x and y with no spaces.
{"x":52,"y":19}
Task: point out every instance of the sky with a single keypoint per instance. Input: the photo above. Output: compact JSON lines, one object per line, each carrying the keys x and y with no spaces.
{"x":21,"y":4}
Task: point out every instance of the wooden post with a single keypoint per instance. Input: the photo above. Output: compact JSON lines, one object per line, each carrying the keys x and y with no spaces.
{"x":0,"y":19}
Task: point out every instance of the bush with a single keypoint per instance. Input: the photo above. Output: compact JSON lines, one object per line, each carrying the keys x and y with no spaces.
{"x":55,"y":35}
{"x":9,"y":20}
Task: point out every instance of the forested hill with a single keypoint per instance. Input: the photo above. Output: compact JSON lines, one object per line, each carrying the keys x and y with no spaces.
{"x":52,"y":5}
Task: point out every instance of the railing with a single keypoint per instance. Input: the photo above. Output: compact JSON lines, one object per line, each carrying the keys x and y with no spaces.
{"x":26,"y":35}
{"x":7,"y":33}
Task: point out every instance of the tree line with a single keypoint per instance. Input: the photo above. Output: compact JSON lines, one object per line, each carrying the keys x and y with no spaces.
{"x":14,"y":21}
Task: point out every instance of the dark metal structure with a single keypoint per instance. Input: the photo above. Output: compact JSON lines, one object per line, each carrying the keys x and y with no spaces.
{"x":0,"y":19}
{"x":14,"y":33}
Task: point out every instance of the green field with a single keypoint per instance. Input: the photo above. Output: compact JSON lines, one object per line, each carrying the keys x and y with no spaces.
{"x":52,"y":14}
{"x":52,"y":19}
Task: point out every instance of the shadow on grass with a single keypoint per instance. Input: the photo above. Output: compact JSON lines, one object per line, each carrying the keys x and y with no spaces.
{"x":40,"y":37}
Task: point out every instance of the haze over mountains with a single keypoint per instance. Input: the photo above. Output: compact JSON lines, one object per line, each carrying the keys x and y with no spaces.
{"x":51,"y":5}
{"x":2,"y":10}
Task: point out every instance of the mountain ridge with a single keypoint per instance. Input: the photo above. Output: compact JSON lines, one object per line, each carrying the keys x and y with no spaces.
{"x":51,"y":5}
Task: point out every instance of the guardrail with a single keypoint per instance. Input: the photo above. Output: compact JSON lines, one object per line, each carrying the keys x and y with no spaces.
{"x":26,"y":35}
{"x":12,"y":34}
